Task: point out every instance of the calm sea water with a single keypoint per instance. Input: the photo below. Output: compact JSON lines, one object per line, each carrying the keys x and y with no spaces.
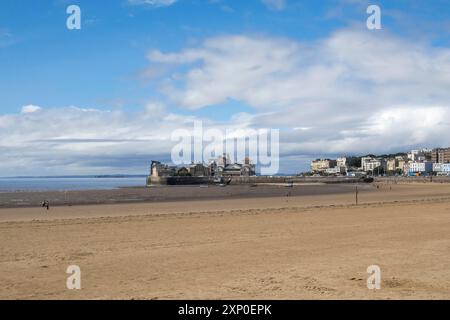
{"x":61,"y":184}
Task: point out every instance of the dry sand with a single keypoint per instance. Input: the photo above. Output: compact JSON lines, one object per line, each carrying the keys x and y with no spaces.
{"x":298,"y":247}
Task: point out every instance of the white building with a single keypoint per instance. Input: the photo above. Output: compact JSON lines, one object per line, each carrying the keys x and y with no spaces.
{"x":413,"y":155}
{"x":341,"y":162}
{"x":369,"y":163}
{"x":416,"y":167}
{"x":420,"y":167}
{"x":441,"y":167}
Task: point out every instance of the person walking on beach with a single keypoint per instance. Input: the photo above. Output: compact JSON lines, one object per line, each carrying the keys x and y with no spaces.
{"x":46,"y":204}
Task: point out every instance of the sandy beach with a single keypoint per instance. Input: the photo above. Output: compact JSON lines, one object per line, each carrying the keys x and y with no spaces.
{"x":269,"y":243}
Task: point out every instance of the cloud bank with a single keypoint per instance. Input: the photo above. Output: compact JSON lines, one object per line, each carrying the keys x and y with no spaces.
{"x":347,"y":89}
{"x":352,"y":92}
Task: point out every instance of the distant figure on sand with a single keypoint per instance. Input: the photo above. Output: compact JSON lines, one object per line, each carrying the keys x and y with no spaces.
{"x":46,"y":204}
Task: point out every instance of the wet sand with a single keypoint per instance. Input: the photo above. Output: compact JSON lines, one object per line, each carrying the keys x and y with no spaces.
{"x":305,"y":246}
{"x":165,"y":193}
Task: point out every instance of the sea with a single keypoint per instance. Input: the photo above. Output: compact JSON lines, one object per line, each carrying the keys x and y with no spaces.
{"x":18,"y":184}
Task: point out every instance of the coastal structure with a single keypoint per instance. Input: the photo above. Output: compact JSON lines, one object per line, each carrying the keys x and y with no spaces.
{"x":217,"y":170}
{"x":159,"y":169}
{"x":222,"y":167}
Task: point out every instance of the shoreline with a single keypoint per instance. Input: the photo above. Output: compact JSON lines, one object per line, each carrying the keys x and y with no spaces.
{"x":269,"y":198}
{"x":166,"y":194}
{"x":180,"y":193}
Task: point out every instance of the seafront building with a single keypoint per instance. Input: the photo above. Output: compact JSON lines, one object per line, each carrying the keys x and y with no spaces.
{"x":370,"y":164}
{"x":222,"y":167}
{"x":419,"y":168}
{"x":322,"y":165}
{"x":341,"y":162}
{"x":440,"y":155}
{"x":441,"y":168}
{"x":399,"y":163}
{"x":218,"y":168}
{"x":390,"y":165}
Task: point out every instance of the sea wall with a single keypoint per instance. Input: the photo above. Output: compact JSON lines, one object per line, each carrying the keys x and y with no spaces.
{"x":152,"y":181}
{"x":293,"y":179}
{"x":178,"y":181}
{"x":439,"y":179}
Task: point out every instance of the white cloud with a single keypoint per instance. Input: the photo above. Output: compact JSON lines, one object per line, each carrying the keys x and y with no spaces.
{"x":155,"y":109}
{"x":347,"y":68}
{"x":391,"y":130}
{"x":73,"y":140}
{"x":153,"y":3}
{"x":234,"y":67}
{"x":30,"y":109}
{"x":338,"y":87}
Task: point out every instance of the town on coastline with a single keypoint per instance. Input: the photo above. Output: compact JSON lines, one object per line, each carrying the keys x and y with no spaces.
{"x":424,"y":162}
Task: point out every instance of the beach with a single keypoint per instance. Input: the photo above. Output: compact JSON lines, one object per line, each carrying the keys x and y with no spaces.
{"x":236,"y":242}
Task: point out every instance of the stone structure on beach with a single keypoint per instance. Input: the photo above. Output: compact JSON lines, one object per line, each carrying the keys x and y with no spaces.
{"x":217,"y":170}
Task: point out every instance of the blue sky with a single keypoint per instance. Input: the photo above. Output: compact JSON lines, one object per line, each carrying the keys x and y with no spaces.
{"x":101,"y":62}
{"x":108,"y":67}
